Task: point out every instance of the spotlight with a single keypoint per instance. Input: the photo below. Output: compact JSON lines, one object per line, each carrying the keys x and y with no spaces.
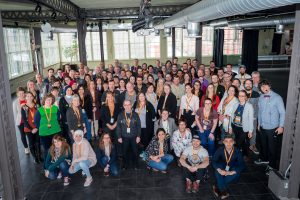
{"x":92,"y":25}
{"x":53,"y":15}
{"x":119,"y":21}
{"x":67,"y":20}
{"x":16,"y":24}
{"x":38,"y":8}
{"x":87,"y":24}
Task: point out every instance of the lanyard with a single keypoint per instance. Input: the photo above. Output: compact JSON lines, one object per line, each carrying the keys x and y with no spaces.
{"x":127,"y":120}
{"x":165,"y":101}
{"x":226,"y":102}
{"x":188,"y":101}
{"x":206,"y":116}
{"x":48,"y":117}
{"x":226,"y":157}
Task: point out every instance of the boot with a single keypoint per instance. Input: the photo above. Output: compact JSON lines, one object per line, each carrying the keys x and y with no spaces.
{"x":34,"y":155}
{"x":188,"y":186}
{"x":38,"y":152}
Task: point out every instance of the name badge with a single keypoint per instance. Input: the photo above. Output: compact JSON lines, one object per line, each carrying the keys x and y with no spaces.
{"x":237,"y":119}
{"x":83,"y":111}
{"x":128,"y":130}
{"x":227,"y":168}
{"x":204,"y":127}
{"x":112,"y":120}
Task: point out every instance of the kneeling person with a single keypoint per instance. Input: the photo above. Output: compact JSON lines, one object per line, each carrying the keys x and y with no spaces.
{"x":195,"y":160}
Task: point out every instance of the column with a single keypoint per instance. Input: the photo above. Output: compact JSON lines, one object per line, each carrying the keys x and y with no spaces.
{"x":198,"y":53}
{"x":173,"y":43}
{"x":38,"y":53}
{"x":101,"y":41}
{"x":81,"y":34}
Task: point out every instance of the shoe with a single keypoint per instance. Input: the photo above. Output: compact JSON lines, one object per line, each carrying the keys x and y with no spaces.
{"x":106,"y":174}
{"x":142,"y":155}
{"x":88,"y":181}
{"x":254,"y":149}
{"x":59,"y":176}
{"x":195,"y":187}
{"x":268,"y":170}
{"x":163,"y":172}
{"x":188,"y":186}
{"x":261,"y":162}
{"x":36,"y":160}
{"x":216,"y":191}
{"x":82,"y":173}
{"x":27,"y":151}
{"x":224,"y":195}
{"x":66,"y":181}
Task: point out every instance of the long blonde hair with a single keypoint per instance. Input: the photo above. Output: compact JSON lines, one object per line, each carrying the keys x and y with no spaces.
{"x":101,"y":142}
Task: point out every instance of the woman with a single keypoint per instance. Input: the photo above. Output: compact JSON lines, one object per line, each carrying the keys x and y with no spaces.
{"x":87,"y":79}
{"x":122,"y":84}
{"x":107,"y":156}
{"x":99,"y":84}
{"x":168,"y":66}
{"x":46,"y":119}
{"x":211,"y":93}
{"x":58,"y":160}
{"x":132,"y":79}
{"x":167,"y":123}
{"x":181,"y":139}
{"x":186,"y":78}
{"x":193,"y":72}
{"x":167,"y":101}
{"x":64,"y":104}
{"x":242,"y":122}
{"x":159,"y":87}
{"x":96,"y":99}
{"x":75,"y":117}
{"x":226,"y":109}
{"x":84,"y":157}
{"x":151,"y":96}
{"x":17,"y":108}
{"x":197,"y":89}
{"x":36,"y":93}
{"x":28,"y":112}
{"x":146,"y":113}
{"x":87,"y":110}
{"x":207,"y":120}
{"x":189,"y":104}
{"x":150,"y":79}
{"x":157,"y":156}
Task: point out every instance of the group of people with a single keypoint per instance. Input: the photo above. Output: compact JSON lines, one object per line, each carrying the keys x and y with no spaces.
{"x":159,"y":113}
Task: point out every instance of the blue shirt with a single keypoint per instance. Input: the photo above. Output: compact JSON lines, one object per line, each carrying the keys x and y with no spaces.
{"x":271,"y":111}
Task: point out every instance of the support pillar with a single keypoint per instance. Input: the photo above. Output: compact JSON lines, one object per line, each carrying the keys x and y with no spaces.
{"x":198,"y":50}
{"x":38,"y":53}
{"x":101,"y":41}
{"x":173,"y":43}
{"x":81,"y":34}
{"x":9,"y":165}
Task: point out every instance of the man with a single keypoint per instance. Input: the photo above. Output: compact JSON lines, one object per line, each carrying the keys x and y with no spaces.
{"x":194,"y":161}
{"x":178,"y":90}
{"x":229,"y":70}
{"x":195,"y":63}
{"x":253,"y":99}
{"x":117,"y":71}
{"x":242,"y":74}
{"x":204,"y":82}
{"x":207,"y":75}
{"x":226,"y":80}
{"x":128,"y":133}
{"x":174,"y":70}
{"x":212,"y":67}
{"x":256,"y":79}
{"x":59,"y":74}
{"x":140,"y":86}
{"x":135,"y":66}
{"x":72,"y":74}
{"x":152,"y":71}
{"x":129,"y":95}
{"x":228,"y":163}
{"x":168,"y":78}
{"x":220,"y":90}
{"x":220,"y":75}
{"x":48,"y":80}
{"x":110,"y":68}
{"x":111,"y":88}
{"x":40,"y":85}
{"x":81,"y":76}
{"x":271,"y":115}
{"x":157,"y":66}
{"x":185,"y":68}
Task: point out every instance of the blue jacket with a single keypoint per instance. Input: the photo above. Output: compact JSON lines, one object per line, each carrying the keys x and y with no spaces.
{"x":101,"y":153}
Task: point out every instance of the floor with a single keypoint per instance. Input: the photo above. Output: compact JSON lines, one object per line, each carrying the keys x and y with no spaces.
{"x":141,"y":184}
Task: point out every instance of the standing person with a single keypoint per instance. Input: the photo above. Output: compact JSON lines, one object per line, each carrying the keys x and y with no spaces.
{"x":96,"y":99}
{"x":242,"y":75}
{"x":40,"y":85}
{"x":211,"y":93}
{"x":36,"y":93}
{"x":58,"y":160}
{"x":157,"y":156}
{"x":17,"y":108}
{"x":64,"y":104}
{"x":228,"y":163}
{"x":177,"y":89}
{"x":167,"y":101}
{"x":107,"y":155}
{"x":181,"y":139}
{"x":46,"y":120}
{"x":151,"y":96}
{"x":147,"y":114}
{"x":226,"y":82}
{"x":129,"y":133}
{"x":197,"y":89}
{"x":84,"y":157}
{"x":159,"y":87}
{"x":28,"y":112}
{"x":242,"y":122}
{"x":220,"y":89}
{"x":256,"y":79}
{"x":229,"y":70}
{"x":194,"y":161}
{"x":129,"y":94}
{"x":271,"y":115}
{"x":207,"y":120}
{"x":188,"y":106}
{"x":167,"y":123}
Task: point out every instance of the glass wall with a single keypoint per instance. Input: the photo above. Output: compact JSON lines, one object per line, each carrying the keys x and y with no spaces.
{"x":50,"y":49}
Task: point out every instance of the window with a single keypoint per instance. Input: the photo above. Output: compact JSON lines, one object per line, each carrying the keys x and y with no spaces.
{"x":92,"y":43}
{"x":137,"y":46}
{"x":152,"y":46}
{"x":18,"y":51}
{"x":69,"y":47}
{"x":121,"y":45}
{"x":207,"y":41}
{"x":50,"y":49}
{"x":232,"y":41}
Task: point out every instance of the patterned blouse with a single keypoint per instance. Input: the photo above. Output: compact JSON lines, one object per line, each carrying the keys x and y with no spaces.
{"x":180,"y":143}
{"x":154,"y":150}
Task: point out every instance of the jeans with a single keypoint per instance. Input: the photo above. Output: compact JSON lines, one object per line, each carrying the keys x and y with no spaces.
{"x":162,"y":164}
{"x":206,"y":142}
{"x":63,"y":168}
{"x":83,"y":165}
{"x":46,"y":142}
{"x":88,"y":126}
{"x":113,"y":168}
{"x":23,"y":135}
{"x":195,"y":176}
{"x":224,"y":181}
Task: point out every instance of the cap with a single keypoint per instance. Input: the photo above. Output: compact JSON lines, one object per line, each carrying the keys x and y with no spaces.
{"x":78,"y":132}
{"x":196,"y":137}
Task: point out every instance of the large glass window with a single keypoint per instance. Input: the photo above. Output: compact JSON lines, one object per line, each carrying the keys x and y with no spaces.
{"x":18,"y":51}
{"x":232,"y":41}
{"x":152,"y":46}
{"x":137,"y":46}
{"x":121,"y":45}
{"x":50,"y":49}
{"x":69,"y":47}
{"x":207,"y":41}
{"x":92,"y":42}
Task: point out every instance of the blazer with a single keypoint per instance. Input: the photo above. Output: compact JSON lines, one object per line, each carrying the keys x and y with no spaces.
{"x":172,"y":125}
{"x":247,"y":118}
{"x":73,"y":121}
{"x":101,"y":154}
{"x":220,"y":91}
{"x":88,"y":106}
{"x":170,"y":105}
{"x":105,"y":116}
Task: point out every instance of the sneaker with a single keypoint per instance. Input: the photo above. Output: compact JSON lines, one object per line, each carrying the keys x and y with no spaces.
{"x":59,"y":176}
{"x":224,"y":195}
{"x":195,"y":187}
{"x":27,"y":151}
{"x":142,"y":155}
{"x":268,"y":170}
{"x":88,"y":181}
{"x":66,"y":181}
{"x":254,"y":149}
{"x":188,"y":186}
{"x":261,"y":162}
{"x":82,"y":173}
{"x":216,"y":191}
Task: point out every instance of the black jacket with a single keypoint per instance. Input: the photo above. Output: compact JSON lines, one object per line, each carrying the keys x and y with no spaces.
{"x":105,"y":116}
{"x":143,"y":89}
{"x":88,"y":106}
{"x":135,"y":126}
{"x":171,"y":104}
{"x":101,"y":153}
{"x":220,"y":91}
{"x":72,"y":120}
{"x":63,"y":107}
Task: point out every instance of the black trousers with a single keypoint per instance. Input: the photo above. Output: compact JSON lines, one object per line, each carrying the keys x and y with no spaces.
{"x":196,"y":176}
{"x":130,"y":145}
{"x":33,"y":139}
{"x":146,"y":138}
{"x":23,"y":135}
{"x":270,"y":147}
{"x":241,"y":139}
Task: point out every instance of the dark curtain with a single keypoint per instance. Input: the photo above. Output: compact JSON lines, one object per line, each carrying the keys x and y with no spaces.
{"x":250,"y":50}
{"x":276,"y":43}
{"x":218,"y":47}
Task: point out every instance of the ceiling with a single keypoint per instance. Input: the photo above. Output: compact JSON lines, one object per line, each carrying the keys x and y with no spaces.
{"x":103,"y":4}
{"x":10,"y":5}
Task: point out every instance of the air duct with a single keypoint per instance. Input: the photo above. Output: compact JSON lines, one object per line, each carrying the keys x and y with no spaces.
{"x":218,"y":23}
{"x":194,"y":29}
{"x":207,"y":10}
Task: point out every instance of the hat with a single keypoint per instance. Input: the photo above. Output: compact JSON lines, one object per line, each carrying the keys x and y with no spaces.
{"x":242,"y":66}
{"x":72,"y":83}
{"x":78,"y":132}
{"x":66,"y":88}
{"x":196,"y":137}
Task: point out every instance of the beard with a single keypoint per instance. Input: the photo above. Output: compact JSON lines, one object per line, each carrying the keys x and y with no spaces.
{"x":248,"y":88}
{"x":242,"y":73}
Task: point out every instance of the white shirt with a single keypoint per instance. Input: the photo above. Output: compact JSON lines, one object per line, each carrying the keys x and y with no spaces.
{"x":189,"y":103}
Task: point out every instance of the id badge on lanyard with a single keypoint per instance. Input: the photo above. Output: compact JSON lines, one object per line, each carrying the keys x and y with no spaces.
{"x":112,"y":120}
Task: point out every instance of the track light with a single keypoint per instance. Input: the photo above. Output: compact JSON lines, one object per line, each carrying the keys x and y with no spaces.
{"x":119,"y":21}
{"x":67,"y":20}
{"x":92,"y":25}
{"x":53,"y":15}
{"x":38,"y":8}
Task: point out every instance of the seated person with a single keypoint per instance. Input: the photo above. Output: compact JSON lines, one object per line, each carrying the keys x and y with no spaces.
{"x":84,"y":157}
{"x":58,"y":160}
{"x":228,"y":163}
{"x":156,"y":152}
{"x":194,"y":160}
{"x":107,"y":156}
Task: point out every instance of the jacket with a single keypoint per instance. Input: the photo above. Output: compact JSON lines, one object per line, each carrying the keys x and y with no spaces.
{"x":247,"y":118}
{"x":87,"y":153}
{"x":228,"y":111}
{"x":73,"y":121}
{"x":135,"y":126}
{"x":153,"y":148}
{"x":171,"y":123}
{"x":51,"y":165}
{"x":150,"y":117}
{"x":112,"y":157}
{"x":170,"y":105}
{"x":105,"y":116}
